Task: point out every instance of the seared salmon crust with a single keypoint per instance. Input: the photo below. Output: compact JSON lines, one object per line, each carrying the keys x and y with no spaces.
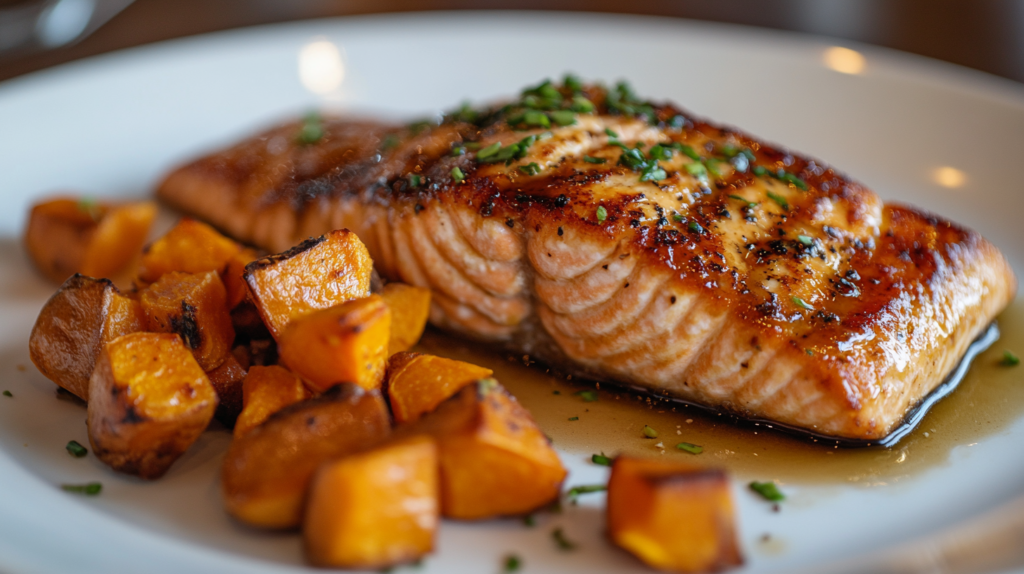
{"x":633,"y":243}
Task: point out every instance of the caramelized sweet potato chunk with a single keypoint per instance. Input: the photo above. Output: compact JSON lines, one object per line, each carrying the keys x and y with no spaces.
{"x":227,"y":380}
{"x":267,"y":470}
{"x":417,"y":383}
{"x":193,"y":306}
{"x":82,"y":316}
{"x":189,"y":247}
{"x":315,"y":274}
{"x":348,"y":342}
{"x":410,"y":307}
{"x":672,"y":515}
{"x":494,"y":459}
{"x":265,"y":391}
{"x":65,"y":236}
{"x":148,"y":402}
{"x":374,"y":509}
{"x":233,"y":275}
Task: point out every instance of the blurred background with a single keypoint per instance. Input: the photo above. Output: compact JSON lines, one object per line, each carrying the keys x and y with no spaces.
{"x":987,"y":35}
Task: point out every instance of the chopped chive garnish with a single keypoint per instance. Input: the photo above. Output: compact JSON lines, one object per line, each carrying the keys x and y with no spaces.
{"x":8,"y":394}
{"x":695,"y":227}
{"x":678,"y":218}
{"x":530,"y":520}
{"x":805,"y":239}
{"x":530,"y":169}
{"x":712,"y":165}
{"x":389,"y":142}
{"x":512,"y":563}
{"x":89,"y":206}
{"x":457,"y":175}
{"x":656,"y":174}
{"x":582,"y":105}
{"x":574,"y":418}
{"x":760,"y":170}
{"x":458,"y":150}
{"x":1009,"y":360}
{"x":75,"y":449}
{"x":587,"y":396}
{"x":488,"y":151}
{"x":610,"y":133}
{"x":414,"y":180}
{"x":534,"y":118}
{"x":690,"y":448}
{"x":312,"y":129}
{"x":574,"y":492}
{"x":750,"y":204}
{"x":563,"y":117}
{"x":90,"y":489}
{"x":768,"y":490}
{"x":801,"y":303}
{"x":650,"y":432}
{"x":562,"y":542}
{"x":572,"y":82}
{"x":779,"y":200}
{"x":688,"y":152}
{"x":556,"y":392}
{"x":601,"y":459}
{"x":602,"y":213}
{"x":697,"y":170}
{"x":597,"y":160}
{"x":790,"y":178}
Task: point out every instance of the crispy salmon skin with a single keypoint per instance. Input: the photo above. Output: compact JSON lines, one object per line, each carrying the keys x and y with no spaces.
{"x":633,"y":243}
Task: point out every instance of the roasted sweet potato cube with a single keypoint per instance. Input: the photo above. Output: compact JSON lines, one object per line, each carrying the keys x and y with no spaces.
{"x":233,"y":275}
{"x":266,"y":471}
{"x":494,"y":459}
{"x":193,"y":306}
{"x":65,"y":236}
{"x":227,"y":380}
{"x":315,"y":274}
{"x":417,"y":383}
{"x":82,"y":316}
{"x":148,"y":402}
{"x":374,"y":509}
{"x":410,"y":307}
{"x":346,"y":343}
{"x":189,"y":247}
{"x":118,"y":238}
{"x":672,"y":515}
{"x":265,"y":391}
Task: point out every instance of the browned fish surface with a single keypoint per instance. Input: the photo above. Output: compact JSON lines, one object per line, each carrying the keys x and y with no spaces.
{"x":636,"y":244}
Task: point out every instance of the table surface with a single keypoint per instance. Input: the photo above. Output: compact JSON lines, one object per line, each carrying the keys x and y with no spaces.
{"x":987,"y":35}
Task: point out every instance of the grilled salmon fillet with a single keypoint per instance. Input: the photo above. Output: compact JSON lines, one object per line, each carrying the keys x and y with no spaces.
{"x":633,"y":243}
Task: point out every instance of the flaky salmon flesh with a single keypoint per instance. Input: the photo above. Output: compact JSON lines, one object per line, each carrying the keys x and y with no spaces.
{"x":631,"y":242}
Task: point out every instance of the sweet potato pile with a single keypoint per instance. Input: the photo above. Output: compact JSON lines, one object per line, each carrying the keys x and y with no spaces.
{"x":337,"y":428}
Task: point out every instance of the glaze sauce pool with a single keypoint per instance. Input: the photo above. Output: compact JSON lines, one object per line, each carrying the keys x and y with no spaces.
{"x":987,"y":401}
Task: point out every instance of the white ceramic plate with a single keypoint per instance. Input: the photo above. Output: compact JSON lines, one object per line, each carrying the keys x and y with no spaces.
{"x":112,"y":125}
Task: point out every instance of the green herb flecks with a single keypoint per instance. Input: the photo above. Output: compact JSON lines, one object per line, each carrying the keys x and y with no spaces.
{"x":581,"y":105}
{"x":75,"y":449}
{"x":530,"y":521}
{"x":563,"y":117}
{"x":602,"y":214}
{"x":698,"y":170}
{"x":688,"y":152}
{"x":622,"y":100}
{"x":635,"y":159}
{"x":90,"y":489}
{"x":805,"y":240}
{"x":1009,"y":359}
{"x":596,"y":160}
{"x":574,"y":418}
{"x":562,"y":542}
{"x":750,"y":204}
{"x":649,"y":432}
{"x":512,"y":563}
{"x":8,"y":394}
{"x":587,"y":396}
{"x":457,"y":175}
{"x":88,"y":206}
{"x":312,"y":129}
{"x":601,"y":459}
{"x":495,"y":153}
{"x":690,"y":448}
{"x":678,"y":218}
{"x":608,"y":132}
{"x":695,"y":227}
{"x":769,"y":490}
{"x":779,"y":200}
{"x":573,"y":493}
{"x":781,"y":175}
{"x":530,"y":169}
{"x":414,"y":180}
{"x":573,"y":83}
{"x":389,"y":142}
{"x":801,"y":303}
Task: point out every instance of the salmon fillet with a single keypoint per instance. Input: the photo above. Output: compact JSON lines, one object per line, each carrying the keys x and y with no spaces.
{"x":633,"y":243}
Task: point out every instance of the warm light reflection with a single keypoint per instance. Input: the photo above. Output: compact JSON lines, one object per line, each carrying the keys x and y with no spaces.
{"x":949,"y":177}
{"x":844,"y":60}
{"x":321,"y":69}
